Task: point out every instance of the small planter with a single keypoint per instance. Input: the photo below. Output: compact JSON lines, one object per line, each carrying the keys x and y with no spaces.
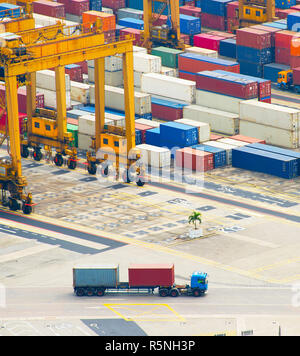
{"x":195,"y":233}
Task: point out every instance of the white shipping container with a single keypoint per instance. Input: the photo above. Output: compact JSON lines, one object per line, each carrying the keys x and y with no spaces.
{"x":86,"y":124}
{"x":50,"y":98}
{"x":277,"y":116}
{"x":232,"y":142}
{"x":146,"y":63}
{"x":137,"y":79}
{"x":272,"y":135}
{"x":171,"y":72}
{"x":223,"y":146}
{"x":112,"y":63}
{"x":116,"y":120}
{"x":114,"y":79}
{"x":80,"y":92}
{"x":45,"y":79}
{"x":84,"y":142}
{"x":44,"y":21}
{"x":203,"y":128}
{"x":219,"y":121}
{"x":169,"y":87}
{"x":114,"y":99}
{"x":156,"y":157}
{"x":139,"y":49}
{"x":218,"y":101}
{"x":151,"y":123}
{"x":202,"y":51}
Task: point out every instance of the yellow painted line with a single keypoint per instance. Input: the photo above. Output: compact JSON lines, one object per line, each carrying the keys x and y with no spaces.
{"x":149,"y":316}
{"x":276,"y":265}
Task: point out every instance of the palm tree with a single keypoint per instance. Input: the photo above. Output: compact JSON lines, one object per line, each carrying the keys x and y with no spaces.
{"x":194,"y":218}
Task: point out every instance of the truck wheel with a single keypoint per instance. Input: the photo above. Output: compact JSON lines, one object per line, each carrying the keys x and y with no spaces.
{"x":100,"y":292}
{"x":80,"y":292}
{"x":197,"y":293}
{"x":174,"y":293}
{"x":163,"y":292}
{"x":90,"y":292}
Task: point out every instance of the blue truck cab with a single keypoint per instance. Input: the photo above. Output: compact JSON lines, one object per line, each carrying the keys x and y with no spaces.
{"x":199,"y":282}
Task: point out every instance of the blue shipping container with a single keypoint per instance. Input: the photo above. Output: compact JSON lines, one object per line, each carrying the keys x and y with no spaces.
{"x":174,"y":134}
{"x":215,"y":7}
{"x":190,"y":25}
{"x":168,"y":103}
{"x":264,"y":162}
{"x":293,"y":22}
{"x":220,"y":158}
{"x":280,"y":26}
{"x":85,"y":276}
{"x":253,"y":69}
{"x":152,"y":137}
{"x":278,"y":150}
{"x":284,"y":4}
{"x":132,"y":23}
{"x":138,"y":137}
{"x":228,"y":48}
{"x":271,"y":71}
{"x":253,"y":55}
{"x":132,"y":13}
{"x":9,"y":10}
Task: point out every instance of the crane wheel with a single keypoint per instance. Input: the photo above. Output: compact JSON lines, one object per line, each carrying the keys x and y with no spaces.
{"x":92,"y":168}
{"x":140,"y":182}
{"x":58,"y":160}
{"x":37,"y":155}
{"x":72,"y":164}
{"x":13,"y":204}
{"x":27,"y":209}
{"x":25,"y":152}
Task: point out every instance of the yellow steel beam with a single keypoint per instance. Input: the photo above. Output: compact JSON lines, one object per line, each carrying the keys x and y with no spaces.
{"x":30,"y":100}
{"x":61,"y":107}
{"x":99,"y":100}
{"x":66,"y":58}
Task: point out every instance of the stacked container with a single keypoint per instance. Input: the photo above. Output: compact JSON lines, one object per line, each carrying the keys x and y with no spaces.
{"x":166,"y":109}
{"x":283,"y":44}
{"x":49,"y":8}
{"x":228,"y":48}
{"x":75,"y":72}
{"x":232,"y":16}
{"x":132,"y":23}
{"x":157,"y":157}
{"x":169,"y":56}
{"x":195,"y":160}
{"x":108,"y":22}
{"x":219,"y":154}
{"x":214,"y":14}
{"x":190,"y":25}
{"x":174,"y":134}
{"x":203,"y":128}
{"x":208,"y":41}
{"x":190,"y":11}
{"x":127,"y":12}
{"x":253,"y":50}
{"x":114,"y":4}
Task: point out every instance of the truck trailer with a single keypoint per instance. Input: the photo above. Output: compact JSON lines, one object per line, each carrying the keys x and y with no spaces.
{"x":142,"y":278}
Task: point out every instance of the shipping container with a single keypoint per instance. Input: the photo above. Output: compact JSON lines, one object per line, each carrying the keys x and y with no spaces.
{"x":232,"y":142}
{"x":75,"y":7}
{"x":73,"y":129}
{"x":282,"y":56}
{"x":173,"y":134}
{"x":271,"y":71}
{"x":195,"y":160}
{"x":50,"y":98}
{"x":270,"y":115}
{"x":293,"y":21}
{"x":207,"y":41}
{"x":247,"y":139}
{"x":193,"y":63}
{"x":272,"y":135}
{"x":215,"y":7}
{"x":146,"y":63}
{"x":271,"y":30}
{"x":152,"y":123}
{"x":233,"y":10}
{"x":224,"y":146}
{"x":173,"y":88}
{"x":45,"y":79}
{"x":153,"y":137}
{"x":190,"y":25}
{"x":132,"y":23}
{"x":114,"y":4}
{"x":265,"y":162}
{"x":213,"y":21}
{"x":127,"y":12}
{"x":251,"y":37}
{"x":278,"y":150}
{"x":80,"y":92}
{"x":9,"y":10}
{"x":190,"y":10}
{"x":156,"y":157}
{"x":108,"y":20}
{"x":49,"y":8}
{"x":166,"y":109}
{"x":4,"y":124}
{"x":277,"y":25}
{"x":95,"y":276}
{"x":202,"y":51}
{"x":95,"y":5}
{"x":218,"y":101}
{"x":75,"y":72}
{"x":224,"y":83}
{"x":154,"y":275}
{"x":142,"y":128}
{"x":220,"y":121}
{"x":138,"y":41}
{"x":253,"y":55}
{"x":220,"y":159}
{"x":169,"y":56}
{"x":203,"y":128}
{"x":228,"y":48}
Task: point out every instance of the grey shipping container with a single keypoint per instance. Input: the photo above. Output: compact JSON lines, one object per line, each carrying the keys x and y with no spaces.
{"x":96,"y":276}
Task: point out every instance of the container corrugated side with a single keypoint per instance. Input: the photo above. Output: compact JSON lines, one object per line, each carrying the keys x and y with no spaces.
{"x":264,"y":162}
{"x":223,"y":146}
{"x":45,"y":79}
{"x":229,"y":141}
{"x":272,"y":135}
{"x":203,"y":128}
{"x":80,"y":92}
{"x":168,"y":87}
{"x":157,"y":157}
{"x":96,"y":276}
{"x":146,"y":63}
{"x":277,"y":116}
{"x":219,"y":121}
{"x":202,"y":51}
{"x":151,"y":275}
{"x":220,"y":158}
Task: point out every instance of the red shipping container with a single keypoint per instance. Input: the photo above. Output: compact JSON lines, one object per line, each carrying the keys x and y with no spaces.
{"x":227,"y":86}
{"x":233,"y":10}
{"x":110,"y":36}
{"x":196,"y":160}
{"x":265,"y":89}
{"x":72,"y":121}
{"x":49,"y":8}
{"x":224,"y":35}
{"x":247,"y":139}
{"x":132,"y":31}
{"x":271,"y":30}
{"x":294,"y":62}
{"x":187,"y":76}
{"x":296,"y":7}
{"x":283,"y":13}
{"x":143,"y":128}
{"x":214,"y":137}
{"x":114,"y":4}
{"x":75,"y":73}
{"x":213,"y":21}
{"x":192,"y":65}
{"x":185,"y":38}
{"x":282,"y":56}
{"x":166,"y":113}
{"x":3,"y":123}
{"x":207,"y":41}
{"x":84,"y":67}
{"x":161,"y":20}
{"x":232,"y":25}
{"x":76,"y":7}
{"x":251,"y":37}
{"x":267,"y":100}
{"x":190,"y":11}
{"x":283,"y":39}
{"x":296,"y":75}
{"x":152,"y":275}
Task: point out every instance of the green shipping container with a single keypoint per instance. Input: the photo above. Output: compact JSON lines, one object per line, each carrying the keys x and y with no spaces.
{"x":74,"y":130}
{"x":169,"y":56}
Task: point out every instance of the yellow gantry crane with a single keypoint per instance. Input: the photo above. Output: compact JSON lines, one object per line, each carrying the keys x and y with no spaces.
{"x":24,"y":21}
{"x":112,"y":146}
{"x":253,"y":12}
{"x":166,"y":35}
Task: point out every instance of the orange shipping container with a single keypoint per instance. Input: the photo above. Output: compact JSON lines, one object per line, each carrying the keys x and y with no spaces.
{"x":108,"y":20}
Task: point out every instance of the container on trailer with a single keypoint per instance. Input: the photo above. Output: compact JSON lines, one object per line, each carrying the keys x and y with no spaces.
{"x":151,"y":275}
{"x":264,"y":162}
{"x":91,"y":276}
